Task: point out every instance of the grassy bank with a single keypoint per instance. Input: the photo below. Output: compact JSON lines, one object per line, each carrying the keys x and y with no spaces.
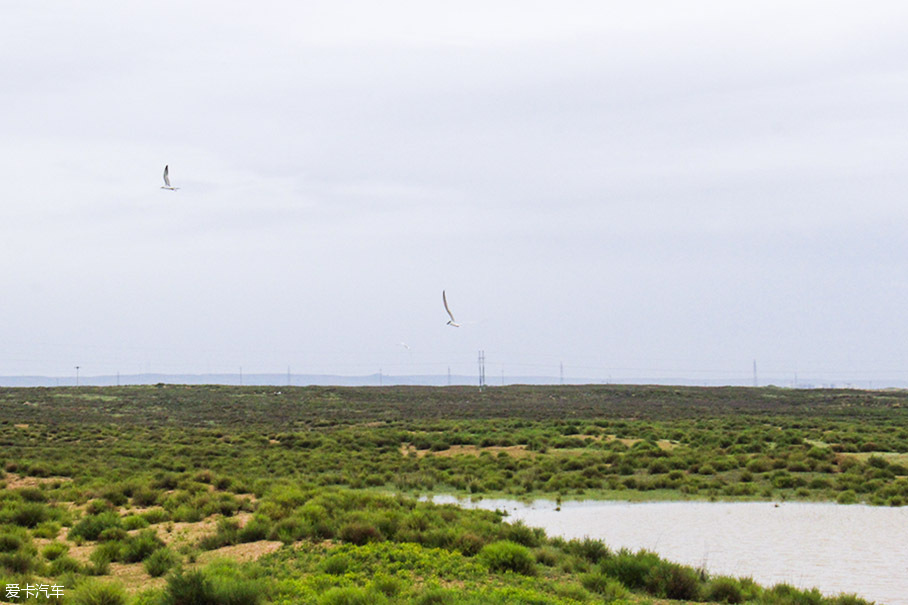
{"x":326,"y":546}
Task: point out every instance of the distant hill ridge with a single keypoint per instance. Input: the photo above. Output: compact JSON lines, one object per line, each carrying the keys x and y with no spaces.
{"x":377,"y":379}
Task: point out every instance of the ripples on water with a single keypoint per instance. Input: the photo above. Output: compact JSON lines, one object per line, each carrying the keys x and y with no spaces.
{"x":836,"y":548}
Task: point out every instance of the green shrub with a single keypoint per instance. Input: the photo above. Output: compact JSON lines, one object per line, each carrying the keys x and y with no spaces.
{"x":47,"y":530}
{"x":468,"y":543}
{"x":290,"y":530}
{"x":572,"y":592}
{"x":188,"y":588}
{"x":360,"y":533}
{"x":54,"y":550}
{"x":32,"y":494}
{"x":214,"y":586}
{"x":548,"y":556}
{"x":115,"y":496}
{"x":90,"y":527}
{"x":98,"y":593}
{"x":674,"y":582}
{"x":593,"y":551}
{"x":11,"y":541}
{"x":336,"y":565}
{"x":187,"y":513}
{"x":847,"y":497}
{"x":848,"y":599}
{"x":435,"y":595}
{"x":631,"y":569}
{"x":134,"y":522}
{"x":155,"y":515}
{"x":724,"y":590}
{"x":96,"y":507}
{"x":160,"y":562}
{"x":64,"y":564}
{"x":521,"y":534}
{"x":508,"y":556}
{"x":256,"y":529}
{"x":141,"y":546}
{"x":785,"y":594}
{"x":387,"y":585}
{"x":350,"y":595}
{"x":106,"y":552}
{"x":112,"y":534}
{"x":30,"y":514}
{"x":145,"y":496}
{"x":19,"y":562}
{"x":608,"y":588}
{"x":227,"y":533}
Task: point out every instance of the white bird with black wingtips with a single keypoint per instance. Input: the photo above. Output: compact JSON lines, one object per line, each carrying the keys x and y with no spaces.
{"x":167,"y":184}
{"x":453,"y":323}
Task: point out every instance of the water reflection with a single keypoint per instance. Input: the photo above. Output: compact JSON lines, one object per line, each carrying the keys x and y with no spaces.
{"x":852,"y":549}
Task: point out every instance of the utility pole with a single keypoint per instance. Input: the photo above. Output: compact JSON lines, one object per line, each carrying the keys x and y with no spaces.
{"x":482,"y":370}
{"x":77,"y":375}
{"x":449,"y":375}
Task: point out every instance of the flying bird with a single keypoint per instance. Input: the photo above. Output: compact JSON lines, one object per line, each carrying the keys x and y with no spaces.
{"x":167,"y":179}
{"x":453,"y":323}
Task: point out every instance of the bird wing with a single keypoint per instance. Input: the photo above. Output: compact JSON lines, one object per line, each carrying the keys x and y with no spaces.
{"x":445,"y":299}
{"x":167,"y":175}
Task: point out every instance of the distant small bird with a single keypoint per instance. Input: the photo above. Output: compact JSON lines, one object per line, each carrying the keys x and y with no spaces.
{"x":453,"y":323}
{"x":167,"y":179}
{"x":404,"y":345}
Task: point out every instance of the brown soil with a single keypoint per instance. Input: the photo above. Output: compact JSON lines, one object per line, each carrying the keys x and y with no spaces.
{"x":891,"y":457}
{"x":14,"y":481}
{"x":242,"y":553}
{"x":516,"y":451}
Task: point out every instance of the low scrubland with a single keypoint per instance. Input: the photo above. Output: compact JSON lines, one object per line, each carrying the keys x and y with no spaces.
{"x":173,"y":494}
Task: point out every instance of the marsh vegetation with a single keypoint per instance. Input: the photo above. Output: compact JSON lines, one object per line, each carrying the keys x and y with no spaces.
{"x":275,"y":494}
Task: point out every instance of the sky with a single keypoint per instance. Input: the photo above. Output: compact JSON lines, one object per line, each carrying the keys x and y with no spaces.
{"x":633,"y":189}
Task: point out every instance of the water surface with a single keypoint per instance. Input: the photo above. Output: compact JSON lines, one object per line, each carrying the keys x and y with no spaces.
{"x":853,"y":549}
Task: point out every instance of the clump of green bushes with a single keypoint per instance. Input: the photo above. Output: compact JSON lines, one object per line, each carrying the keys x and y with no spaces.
{"x":505,"y":555}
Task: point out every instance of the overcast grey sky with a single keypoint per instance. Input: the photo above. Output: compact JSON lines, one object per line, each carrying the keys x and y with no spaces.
{"x":632,"y":188}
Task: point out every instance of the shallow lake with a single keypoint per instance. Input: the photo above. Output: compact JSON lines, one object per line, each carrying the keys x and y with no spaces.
{"x":836,"y":548}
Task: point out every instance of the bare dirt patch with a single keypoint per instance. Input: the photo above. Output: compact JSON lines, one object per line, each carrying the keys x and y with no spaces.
{"x":81,"y":553}
{"x":663,"y":444}
{"x":134,"y":577}
{"x":242,"y":553}
{"x":14,"y":481}
{"x":183,"y":532}
{"x":891,"y":457}
{"x":516,"y":451}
